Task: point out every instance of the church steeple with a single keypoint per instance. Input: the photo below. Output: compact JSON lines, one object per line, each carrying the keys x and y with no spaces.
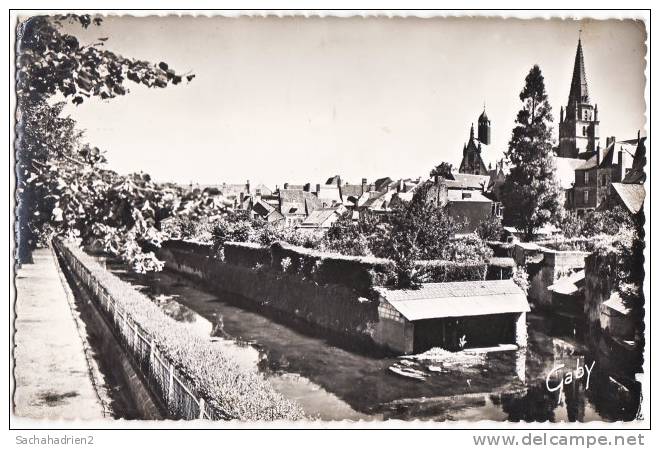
{"x":483,"y":129}
{"x":579,"y":90}
{"x":578,"y":122}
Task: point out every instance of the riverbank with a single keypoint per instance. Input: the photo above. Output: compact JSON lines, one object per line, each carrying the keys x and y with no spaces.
{"x":54,"y":378}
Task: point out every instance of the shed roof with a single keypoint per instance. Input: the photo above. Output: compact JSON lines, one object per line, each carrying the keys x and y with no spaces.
{"x":571,"y":285}
{"x":632,"y":195}
{"x":457,"y":299}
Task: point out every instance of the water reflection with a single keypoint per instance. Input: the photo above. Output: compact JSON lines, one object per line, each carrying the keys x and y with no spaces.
{"x":332,"y":382}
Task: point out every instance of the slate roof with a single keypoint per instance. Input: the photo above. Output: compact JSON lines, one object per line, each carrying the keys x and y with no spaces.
{"x":474,"y":196}
{"x":590,"y":163}
{"x":636,"y":174}
{"x":468,"y":181}
{"x":317,"y":218}
{"x":457,"y":299}
{"x":632,"y":195}
{"x":297,"y":202}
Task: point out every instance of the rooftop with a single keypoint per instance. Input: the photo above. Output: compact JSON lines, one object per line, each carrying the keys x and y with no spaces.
{"x":457,"y":299}
{"x":632,"y":195}
{"x":468,"y":181}
{"x":466,"y":195}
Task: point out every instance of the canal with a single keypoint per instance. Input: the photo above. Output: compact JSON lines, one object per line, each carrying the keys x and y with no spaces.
{"x":332,"y":382}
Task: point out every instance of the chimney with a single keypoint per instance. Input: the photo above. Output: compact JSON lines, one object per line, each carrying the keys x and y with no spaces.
{"x":318,"y":188}
{"x":247,"y":186}
{"x":364,"y":185}
{"x":257,"y":194}
{"x":399,"y":186}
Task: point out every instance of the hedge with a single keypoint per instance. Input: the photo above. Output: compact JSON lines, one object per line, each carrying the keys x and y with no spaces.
{"x":357,"y":272}
{"x":238,"y":393}
{"x":448,"y":271}
{"x":247,"y":254}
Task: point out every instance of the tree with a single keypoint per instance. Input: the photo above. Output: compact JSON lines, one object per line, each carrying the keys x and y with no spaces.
{"x":62,"y":185}
{"x":411,"y":232}
{"x":490,"y":229}
{"x":443,"y":170}
{"x":531,"y":194}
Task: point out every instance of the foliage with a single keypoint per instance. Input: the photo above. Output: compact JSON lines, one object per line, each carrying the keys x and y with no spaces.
{"x":63,"y":187}
{"x":469,"y":248}
{"x":531,"y":194}
{"x":50,"y":62}
{"x":449,"y":271}
{"x":521,"y":278}
{"x":491,"y":229}
{"x":624,"y":252}
{"x":443,"y":170}
{"x":186,"y":227}
{"x":593,"y":223}
{"x":235,"y":392}
{"x":349,"y":238}
{"x":411,"y":232}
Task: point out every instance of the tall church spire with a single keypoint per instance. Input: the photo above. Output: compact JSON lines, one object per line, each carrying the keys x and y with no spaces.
{"x":579,"y":91}
{"x":578,"y":127}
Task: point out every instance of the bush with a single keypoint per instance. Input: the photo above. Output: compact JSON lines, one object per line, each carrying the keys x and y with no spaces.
{"x":491,"y":229}
{"x":237,"y":393}
{"x":346,"y":237}
{"x":469,"y":248}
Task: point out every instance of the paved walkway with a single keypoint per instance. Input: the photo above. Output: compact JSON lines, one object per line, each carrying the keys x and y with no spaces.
{"x":52,"y":376}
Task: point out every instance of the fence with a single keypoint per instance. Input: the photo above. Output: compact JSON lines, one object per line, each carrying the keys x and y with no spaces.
{"x":160,"y":373}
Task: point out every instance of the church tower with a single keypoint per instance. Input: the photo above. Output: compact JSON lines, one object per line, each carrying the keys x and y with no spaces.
{"x":578,"y":123}
{"x":483,"y":130}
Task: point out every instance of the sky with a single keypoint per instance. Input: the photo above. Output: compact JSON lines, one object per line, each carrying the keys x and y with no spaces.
{"x":298,"y":99}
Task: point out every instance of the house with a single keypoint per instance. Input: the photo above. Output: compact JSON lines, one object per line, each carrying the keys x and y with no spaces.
{"x":322,"y":218}
{"x":593,"y":178}
{"x":452,"y":315}
{"x":472,"y":207}
{"x":296,"y":204}
{"x":266,"y":211}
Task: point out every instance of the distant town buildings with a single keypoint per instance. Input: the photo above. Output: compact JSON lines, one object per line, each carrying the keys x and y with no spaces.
{"x":592,"y":176}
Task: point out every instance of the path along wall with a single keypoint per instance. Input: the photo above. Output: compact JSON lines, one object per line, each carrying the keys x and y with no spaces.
{"x":189,"y":374}
{"x":328,"y":291}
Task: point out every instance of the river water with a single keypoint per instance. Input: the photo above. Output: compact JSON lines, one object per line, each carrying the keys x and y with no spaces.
{"x":334,"y":383}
